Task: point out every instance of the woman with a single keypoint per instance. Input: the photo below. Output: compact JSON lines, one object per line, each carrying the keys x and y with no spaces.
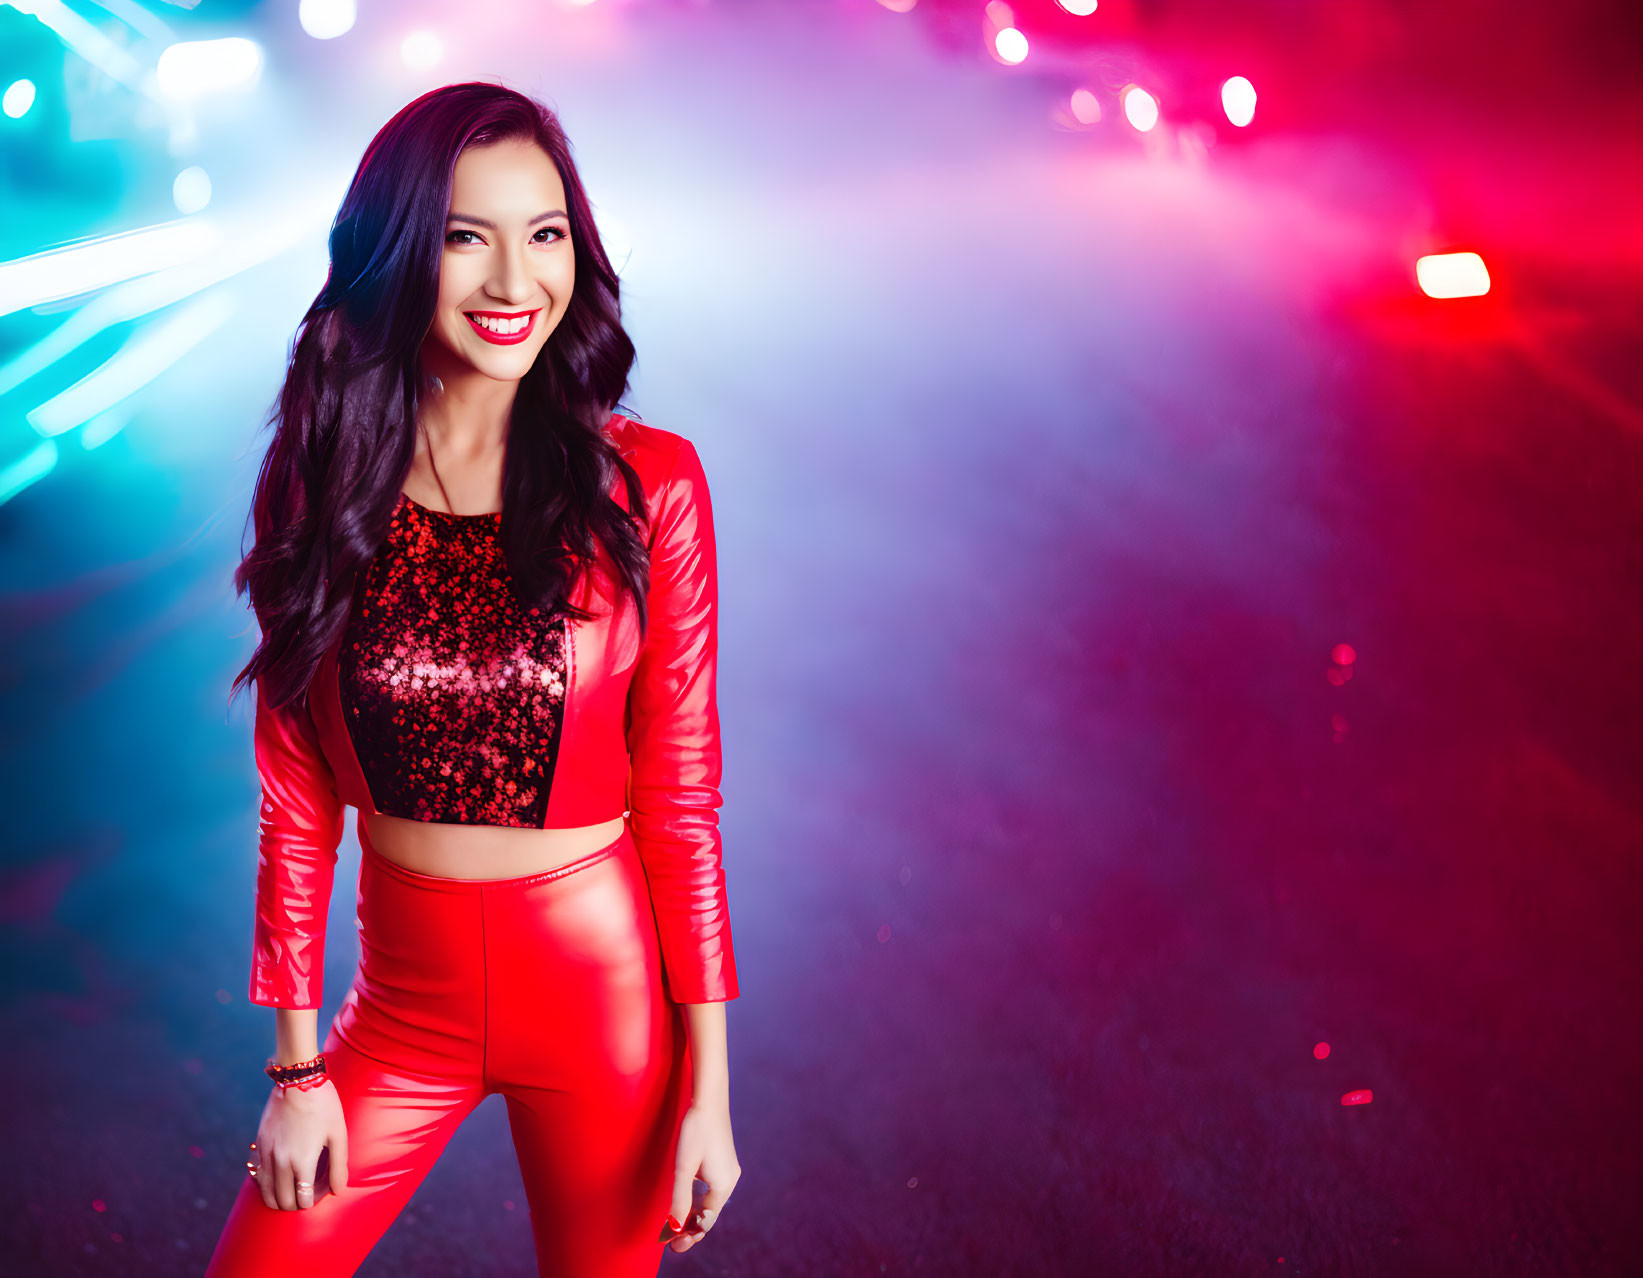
{"x":488,"y":608}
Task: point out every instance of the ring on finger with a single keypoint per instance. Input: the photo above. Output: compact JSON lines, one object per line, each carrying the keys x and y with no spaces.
{"x":304,"y":1184}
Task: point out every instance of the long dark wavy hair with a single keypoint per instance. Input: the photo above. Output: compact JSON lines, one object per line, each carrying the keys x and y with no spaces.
{"x":345,"y":424}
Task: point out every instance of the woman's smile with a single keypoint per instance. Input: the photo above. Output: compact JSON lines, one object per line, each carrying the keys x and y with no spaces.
{"x":504,"y":328}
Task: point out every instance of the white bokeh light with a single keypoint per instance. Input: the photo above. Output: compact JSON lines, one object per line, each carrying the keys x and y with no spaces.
{"x":1140,"y":108}
{"x":1011,"y":45}
{"x":1238,"y":100}
{"x":19,"y":98}
{"x":191,"y":189}
{"x":193,"y":68}
{"x":327,"y":19}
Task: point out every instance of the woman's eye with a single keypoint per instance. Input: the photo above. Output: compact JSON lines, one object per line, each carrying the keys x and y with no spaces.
{"x":559,"y":232}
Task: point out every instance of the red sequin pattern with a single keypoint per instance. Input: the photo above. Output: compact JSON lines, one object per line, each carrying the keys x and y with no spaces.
{"x":453,"y":693}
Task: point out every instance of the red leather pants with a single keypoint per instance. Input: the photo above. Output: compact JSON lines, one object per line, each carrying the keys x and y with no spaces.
{"x":546,"y":988}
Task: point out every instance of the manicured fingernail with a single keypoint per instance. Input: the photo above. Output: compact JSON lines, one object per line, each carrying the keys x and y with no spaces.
{"x":674,"y":1226}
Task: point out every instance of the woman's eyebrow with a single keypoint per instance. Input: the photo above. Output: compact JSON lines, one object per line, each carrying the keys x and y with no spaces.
{"x":491,"y":226}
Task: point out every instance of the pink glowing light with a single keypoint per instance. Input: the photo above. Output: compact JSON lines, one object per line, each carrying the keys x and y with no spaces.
{"x":1342,"y":654}
{"x":1320,"y":1050}
{"x":1360,"y":1097}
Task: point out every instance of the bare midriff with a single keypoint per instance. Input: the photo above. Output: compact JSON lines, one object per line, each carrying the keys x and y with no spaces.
{"x":484,"y":851}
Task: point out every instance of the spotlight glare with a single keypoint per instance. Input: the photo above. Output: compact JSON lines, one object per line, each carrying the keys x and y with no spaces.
{"x":18,"y":99}
{"x":1140,"y":108}
{"x":1452,"y":275}
{"x":192,"y":68}
{"x":327,"y":19}
{"x":93,"y":264}
{"x":1078,"y":8}
{"x":145,"y":355}
{"x":1238,"y":100}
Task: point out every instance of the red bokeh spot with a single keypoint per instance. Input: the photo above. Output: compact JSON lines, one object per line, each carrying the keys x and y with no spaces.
{"x":1342,"y":654}
{"x":1320,"y":1050}
{"x":97,"y":1204}
{"x":1360,"y":1097}
{"x":196,"y":1151}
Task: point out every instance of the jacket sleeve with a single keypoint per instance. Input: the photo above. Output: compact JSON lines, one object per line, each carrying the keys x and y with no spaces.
{"x":673,"y":741}
{"x":299,"y":830}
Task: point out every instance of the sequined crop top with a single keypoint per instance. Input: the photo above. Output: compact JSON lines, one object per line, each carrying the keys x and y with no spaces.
{"x":452,"y":692}
{"x":441,"y":700}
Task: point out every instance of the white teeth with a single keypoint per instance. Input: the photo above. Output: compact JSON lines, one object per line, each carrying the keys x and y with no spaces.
{"x":500,"y":326}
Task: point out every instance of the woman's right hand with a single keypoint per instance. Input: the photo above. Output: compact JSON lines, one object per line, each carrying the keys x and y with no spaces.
{"x":295,"y":1127}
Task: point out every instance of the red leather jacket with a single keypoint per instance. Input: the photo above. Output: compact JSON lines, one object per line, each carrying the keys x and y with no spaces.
{"x":640,"y":737}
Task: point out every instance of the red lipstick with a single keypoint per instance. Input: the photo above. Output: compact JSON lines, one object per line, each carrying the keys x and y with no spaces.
{"x":502,"y":339}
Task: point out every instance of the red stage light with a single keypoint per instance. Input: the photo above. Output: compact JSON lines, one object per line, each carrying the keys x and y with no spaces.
{"x":1452,"y":275}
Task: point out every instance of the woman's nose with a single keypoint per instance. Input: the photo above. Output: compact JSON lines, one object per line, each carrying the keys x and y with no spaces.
{"x":512,"y":282}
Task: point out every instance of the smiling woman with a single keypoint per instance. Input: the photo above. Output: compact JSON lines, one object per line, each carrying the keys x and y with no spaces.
{"x":489,"y":613}
{"x":508,"y":269}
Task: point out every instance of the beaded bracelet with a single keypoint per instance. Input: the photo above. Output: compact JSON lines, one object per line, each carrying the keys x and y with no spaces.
{"x":292,"y":1073}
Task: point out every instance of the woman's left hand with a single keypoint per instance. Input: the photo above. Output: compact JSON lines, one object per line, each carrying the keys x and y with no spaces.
{"x":706,"y":1152}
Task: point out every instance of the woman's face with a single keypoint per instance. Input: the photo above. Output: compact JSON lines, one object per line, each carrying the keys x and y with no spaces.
{"x":507,"y":269}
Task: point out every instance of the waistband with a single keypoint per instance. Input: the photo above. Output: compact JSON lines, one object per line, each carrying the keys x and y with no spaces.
{"x":469,"y":887}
